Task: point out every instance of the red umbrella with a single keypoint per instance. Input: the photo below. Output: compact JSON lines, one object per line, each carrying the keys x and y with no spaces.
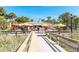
{"x":14,"y":24}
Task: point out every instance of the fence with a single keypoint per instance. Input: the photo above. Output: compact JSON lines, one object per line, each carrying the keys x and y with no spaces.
{"x":25,"y":46}
{"x":14,"y":32}
{"x":69,"y":44}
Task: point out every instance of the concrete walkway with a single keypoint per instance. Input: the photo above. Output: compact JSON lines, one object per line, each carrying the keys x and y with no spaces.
{"x":38,"y":44}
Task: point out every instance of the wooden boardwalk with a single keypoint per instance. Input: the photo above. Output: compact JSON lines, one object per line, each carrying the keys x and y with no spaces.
{"x":38,"y":44}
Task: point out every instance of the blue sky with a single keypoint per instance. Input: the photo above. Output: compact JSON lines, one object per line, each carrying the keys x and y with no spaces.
{"x":37,"y":12}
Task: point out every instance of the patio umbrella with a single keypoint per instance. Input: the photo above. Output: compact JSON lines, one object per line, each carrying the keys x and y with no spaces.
{"x":25,"y":24}
{"x":44,"y":25}
{"x":59,"y":25}
{"x":14,"y":24}
{"x":47,"y":25}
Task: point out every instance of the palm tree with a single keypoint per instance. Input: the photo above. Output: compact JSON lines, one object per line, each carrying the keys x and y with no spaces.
{"x":54,"y":21}
{"x":49,"y":17}
{"x":10,"y":16}
{"x":22,"y":19}
{"x":75,"y":22}
{"x":66,"y":18}
{"x":42,"y":20}
{"x":31,"y":20}
{"x":2,"y":11}
{"x":49,"y":20}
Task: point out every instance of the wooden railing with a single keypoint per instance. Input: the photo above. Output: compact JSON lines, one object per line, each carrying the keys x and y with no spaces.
{"x":14,"y":32}
{"x":61,"y":31}
{"x":18,"y":31}
{"x":69,"y":44}
{"x":25,"y":46}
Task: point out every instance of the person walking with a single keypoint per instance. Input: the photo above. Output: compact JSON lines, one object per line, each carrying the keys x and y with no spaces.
{"x":38,"y":29}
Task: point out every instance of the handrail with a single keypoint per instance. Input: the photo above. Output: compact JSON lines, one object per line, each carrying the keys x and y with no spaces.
{"x":26,"y":43}
{"x":55,"y":47}
{"x":62,"y":31}
{"x":14,"y":31}
{"x":72,"y":43}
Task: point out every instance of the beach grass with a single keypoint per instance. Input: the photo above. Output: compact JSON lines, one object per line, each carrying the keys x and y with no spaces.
{"x":10,"y":43}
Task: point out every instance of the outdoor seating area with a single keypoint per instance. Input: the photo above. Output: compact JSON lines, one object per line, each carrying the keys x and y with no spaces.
{"x":33,"y":26}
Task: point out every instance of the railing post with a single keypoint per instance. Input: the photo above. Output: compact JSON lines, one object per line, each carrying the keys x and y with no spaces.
{"x":50,"y":35}
{"x":77,"y":46}
{"x":58,"y":40}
